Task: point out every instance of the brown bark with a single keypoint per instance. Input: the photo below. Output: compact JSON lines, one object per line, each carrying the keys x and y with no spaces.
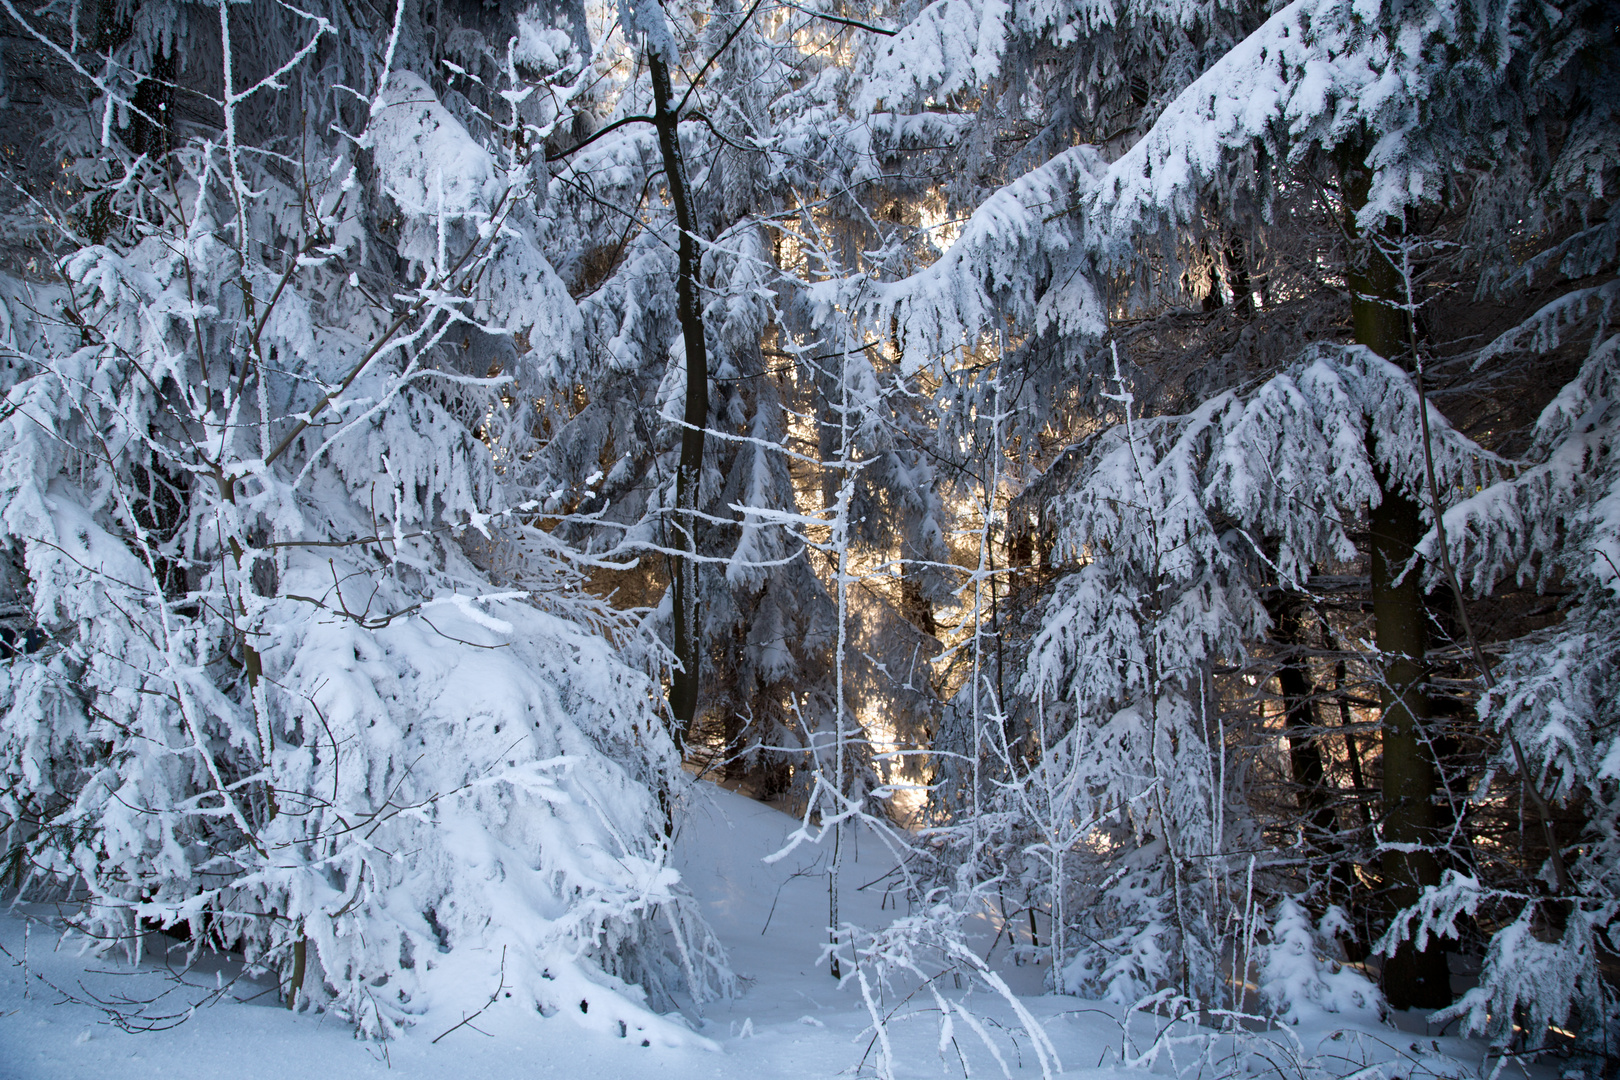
{"x":1291,"y":616}
{"x":1412,"y":978}
{"x":683,"y":688}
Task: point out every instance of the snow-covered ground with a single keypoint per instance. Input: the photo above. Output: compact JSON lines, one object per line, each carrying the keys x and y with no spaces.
{"x":790,"y":1019}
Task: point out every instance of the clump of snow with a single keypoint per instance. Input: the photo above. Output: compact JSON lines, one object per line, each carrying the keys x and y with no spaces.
{"x":428,"y":162}
{"x":546,"y":48}
{"x":1302,"y":982}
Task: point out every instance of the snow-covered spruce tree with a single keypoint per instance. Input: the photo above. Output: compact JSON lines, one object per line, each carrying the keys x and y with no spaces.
{"x":1178,"y":523}
{"x":1551,"y":697}
{"x":1300,"y":976}
{"x":1500,"y":117}
{"x":313,"y":682}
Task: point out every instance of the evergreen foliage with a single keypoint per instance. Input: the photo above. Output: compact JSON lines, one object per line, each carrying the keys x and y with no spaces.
{"x":1000,"y":420}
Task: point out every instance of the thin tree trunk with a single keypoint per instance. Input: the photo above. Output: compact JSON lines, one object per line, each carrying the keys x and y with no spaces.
{"x":1237,"y":276}
{"x":1352,"y":752}
{"x":683,"y":688}
{"x":1300,"y":723}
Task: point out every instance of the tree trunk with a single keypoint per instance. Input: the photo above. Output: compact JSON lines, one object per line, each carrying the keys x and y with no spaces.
{"x":683,"y":687}
{"x":1412,"y":978}
{"x":1289,"y":614}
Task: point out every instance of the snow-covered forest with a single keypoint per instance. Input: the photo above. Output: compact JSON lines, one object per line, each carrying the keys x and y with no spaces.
{"x":1128,"y":489}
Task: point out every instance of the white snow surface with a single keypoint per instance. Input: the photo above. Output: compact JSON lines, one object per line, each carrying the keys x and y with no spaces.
{"x":791,"y":1019}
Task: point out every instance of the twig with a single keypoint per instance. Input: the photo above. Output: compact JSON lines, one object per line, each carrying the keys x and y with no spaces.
{"x":467,"y":1020}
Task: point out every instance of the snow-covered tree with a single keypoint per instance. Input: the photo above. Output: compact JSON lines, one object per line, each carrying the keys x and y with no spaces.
{"x":1373,"y":120}
{"x":316,"y":681}
{"x":1550,"y":702}
{"x":1128,"y":359}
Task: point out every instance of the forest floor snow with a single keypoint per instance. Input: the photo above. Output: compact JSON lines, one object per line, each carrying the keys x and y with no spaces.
{"x":790,"y":1018}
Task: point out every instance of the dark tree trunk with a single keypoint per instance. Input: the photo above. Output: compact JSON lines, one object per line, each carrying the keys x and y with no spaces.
{"x":683,"y":689}
{"x":1412,"y":978}
{"x":1292,"y":617}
